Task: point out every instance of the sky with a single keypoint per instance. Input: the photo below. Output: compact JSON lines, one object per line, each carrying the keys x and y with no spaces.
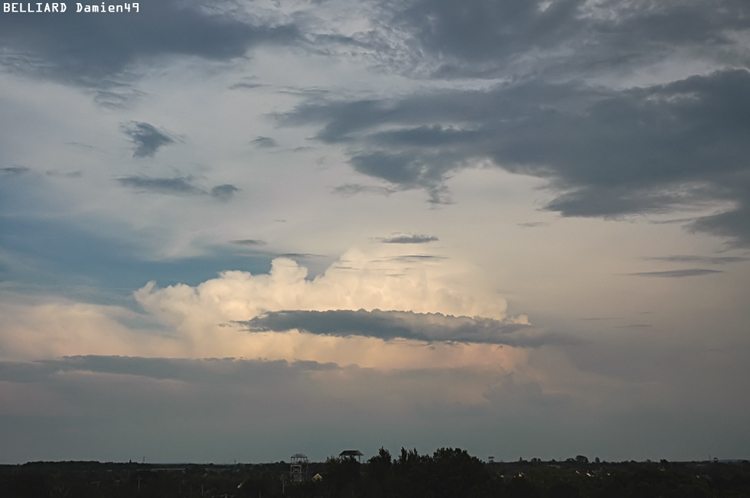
{"x":242,"y":229}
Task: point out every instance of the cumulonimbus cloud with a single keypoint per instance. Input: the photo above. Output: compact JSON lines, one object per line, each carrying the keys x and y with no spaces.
{"x":440,"y":313}
{"x":360,"y":279}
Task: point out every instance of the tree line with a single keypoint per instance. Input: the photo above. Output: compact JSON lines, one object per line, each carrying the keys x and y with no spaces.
{"x":446,"y":473}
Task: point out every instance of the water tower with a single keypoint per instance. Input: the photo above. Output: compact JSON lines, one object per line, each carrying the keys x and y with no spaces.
{"x":298,"y":469}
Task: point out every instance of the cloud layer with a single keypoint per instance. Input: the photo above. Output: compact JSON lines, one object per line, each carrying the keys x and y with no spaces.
{"x":608,"y":152}
{"x":51,"y":45}
{"x":388,"y":325}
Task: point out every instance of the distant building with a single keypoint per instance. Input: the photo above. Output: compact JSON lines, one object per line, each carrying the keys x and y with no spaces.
{"x":351,"y":454}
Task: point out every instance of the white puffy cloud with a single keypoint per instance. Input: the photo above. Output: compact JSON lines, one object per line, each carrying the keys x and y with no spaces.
{"x":59,"y":328}
{"x":383,"y":278}
{"x":183,"y":321}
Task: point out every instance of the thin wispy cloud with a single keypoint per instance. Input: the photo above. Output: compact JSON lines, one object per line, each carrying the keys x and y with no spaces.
{"x":409,"y":239}
{"x":714,"y":260}
{"x":14,"y":170}
{"x":692,"y":272}
{"x":408,"y":258}
{"x":533,"y":224}
{"x":244,"y":85}
{"x":249,"y":242}
{"x":224,"y":192}
{"x":265,"y":143}
{"x":353,"y":188}
{"x":181,"y":185}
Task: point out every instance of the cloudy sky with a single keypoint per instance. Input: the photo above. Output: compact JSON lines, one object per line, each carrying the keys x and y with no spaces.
{"x":242,"y":229}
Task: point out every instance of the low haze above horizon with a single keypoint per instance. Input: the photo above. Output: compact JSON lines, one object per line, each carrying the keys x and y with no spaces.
{"x":244,"y":229}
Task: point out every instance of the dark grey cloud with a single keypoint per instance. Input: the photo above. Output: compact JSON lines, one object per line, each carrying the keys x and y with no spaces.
{"x":678,"y":221}
{"x":606,"y":152}
{"x":410,"y":258}
{"x":473,"y":34}
{"x":349,"y":189}
{"x":14,"y":170}
{"x":146,"y":138}
{"x":687,"y":258}
{"x":691,"y":272}
{"x":489,"y":39}
{"x":406,"y":170}
{"x":89,"y":49}
{"x":247,"y":86}
{"x":301,"y":255}
{"x":224,"y":192}
{"x":409,"y":239}
{"x":181,"y":185}
{"x":265,"y":142}
{"x":70,"y":174}
{"x":389,"y":325}
{"x":249,"y":242}
{"x":734,"y":224}
{"x":273,"y":255}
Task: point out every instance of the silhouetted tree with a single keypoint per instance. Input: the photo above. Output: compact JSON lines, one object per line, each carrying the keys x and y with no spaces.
{"x":563,"y":490}
{"x":455,"y":473}
{"x":520,"y":487}
{"x":342,"y":477}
